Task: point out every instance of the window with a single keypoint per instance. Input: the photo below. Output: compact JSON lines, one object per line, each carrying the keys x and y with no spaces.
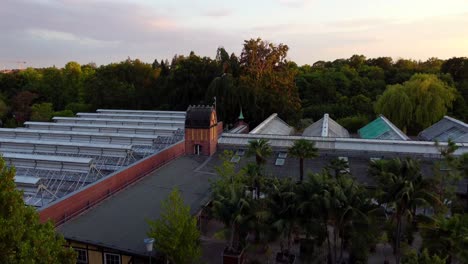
{"x":82,"y":256}
{"x":110,"y":258}
{"x":282,"y":155}
{"x":235,"y":159}
{"x":240,"y":152}
{"x":280,"y":162}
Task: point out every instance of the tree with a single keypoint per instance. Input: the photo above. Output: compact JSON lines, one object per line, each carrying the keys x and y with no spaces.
{"x":232,"y":207}
{"x":42,"y":112}
{"x":254,"y":178}
{"x":396,"y":105}
{"x":419,"y":102}
{"x":267,"y":82}
{"x":261,"y":149}
{"x":303,"y":149}
{"x":447,"y":236}
{"x":447,"y":174}
{"x":175,"y":232}
{"x":283,"y":207}
{"x":21,"y":106}
{"x":411,"y":257}
{"x":23,"y":239}
{"x":341,"y":209}
{"x":402,"y":188}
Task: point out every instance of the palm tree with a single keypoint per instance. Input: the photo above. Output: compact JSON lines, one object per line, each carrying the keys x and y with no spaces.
{"x":303,"y":149}
{"x":232,"y":207}
{"x":339,"y":167}
{"x":254,"y":178}
{"x":447,"y":236}
{"x":261,"y":149}
{"x":402,"y":188}
{"x":283,"y":208}
{"x":336,"y":204}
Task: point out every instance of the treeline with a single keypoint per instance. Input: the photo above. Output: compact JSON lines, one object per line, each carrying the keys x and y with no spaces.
{"x":260,"y":80}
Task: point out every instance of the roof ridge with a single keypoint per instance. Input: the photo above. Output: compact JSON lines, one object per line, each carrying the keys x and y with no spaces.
{"x":394,"y":128}
{"x":455,"y":121}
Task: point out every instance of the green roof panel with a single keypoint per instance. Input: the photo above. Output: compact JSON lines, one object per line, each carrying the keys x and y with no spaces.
{"x":374,"y":129}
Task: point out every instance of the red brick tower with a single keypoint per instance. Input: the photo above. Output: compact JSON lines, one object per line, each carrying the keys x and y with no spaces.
{"x":201,"y":131}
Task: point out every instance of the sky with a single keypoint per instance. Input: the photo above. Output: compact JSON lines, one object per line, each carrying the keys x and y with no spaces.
{"x":44,"y":33}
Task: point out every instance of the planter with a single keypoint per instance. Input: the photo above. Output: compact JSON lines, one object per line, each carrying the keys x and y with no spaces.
{"x":230,"y":257}
{"x":285,"y":258}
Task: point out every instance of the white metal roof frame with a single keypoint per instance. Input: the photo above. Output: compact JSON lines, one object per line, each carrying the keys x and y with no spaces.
{"x":131,"y":116}
{"x":71,"y":148}
{"x":111,"y":121}
{"x":147,"y":130}
{"x":343,"y":144}
{"x":48,"y":162}
{"x":70,"y":136}
{"x":143,"y":112}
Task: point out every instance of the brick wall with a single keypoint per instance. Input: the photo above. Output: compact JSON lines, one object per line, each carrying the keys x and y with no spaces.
{"x":78,"y":202}
{"x":219,"y":127}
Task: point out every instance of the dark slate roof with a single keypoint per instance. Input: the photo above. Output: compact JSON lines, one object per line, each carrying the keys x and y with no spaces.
{"x":446,"y":128}
{"x":198,"y":116}
{"x":358,"y":163}
{"x":120,"y":222}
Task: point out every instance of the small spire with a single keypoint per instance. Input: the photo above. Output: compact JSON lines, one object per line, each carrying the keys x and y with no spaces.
{"x":241,"y":116}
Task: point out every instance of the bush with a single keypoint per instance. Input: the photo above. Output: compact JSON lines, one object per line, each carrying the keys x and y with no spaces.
{"x":42,"y":112}
{"x":353,"y":123}
{"x":78,"y":107}
{"x":65,"y":113}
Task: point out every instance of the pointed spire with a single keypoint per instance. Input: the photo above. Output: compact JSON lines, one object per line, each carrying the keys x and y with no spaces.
{"x":241,"y":115}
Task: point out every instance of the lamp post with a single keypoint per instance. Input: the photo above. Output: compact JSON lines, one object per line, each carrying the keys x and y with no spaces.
{"x":149,"y":246}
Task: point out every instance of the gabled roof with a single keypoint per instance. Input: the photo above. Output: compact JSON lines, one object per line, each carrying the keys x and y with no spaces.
{"x":273,"y":125}
{"x":446,"y":128}
{"x":326,"y":127}
{"x":382,"y":128}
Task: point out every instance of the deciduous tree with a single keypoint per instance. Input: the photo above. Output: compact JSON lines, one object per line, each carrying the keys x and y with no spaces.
{"x":23,"y":239}
{"x":175,"y":232}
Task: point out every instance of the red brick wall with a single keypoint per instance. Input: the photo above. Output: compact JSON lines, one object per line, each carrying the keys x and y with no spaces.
{"x":206,"y":138}
{"x":91,"y":195}
{"x":220,"y":128}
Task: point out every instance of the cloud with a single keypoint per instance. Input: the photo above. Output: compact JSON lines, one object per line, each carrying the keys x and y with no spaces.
{"x":223,"y":12}
{"x":295,"y":3}
{"x":48,"y":32}
{"x":360,"y":24}
{"x":51,"y":35}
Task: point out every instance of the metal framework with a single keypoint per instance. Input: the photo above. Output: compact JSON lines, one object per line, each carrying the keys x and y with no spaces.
{"x":145,"y":130}
{"x":72,"y":136}
{"x":120,"y":122}
{"x":132,"y":116}
{"x":141,"y":112}
{"x":348,"y":146}
{"x":53,"y":159}
{"x":66,"y":148}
